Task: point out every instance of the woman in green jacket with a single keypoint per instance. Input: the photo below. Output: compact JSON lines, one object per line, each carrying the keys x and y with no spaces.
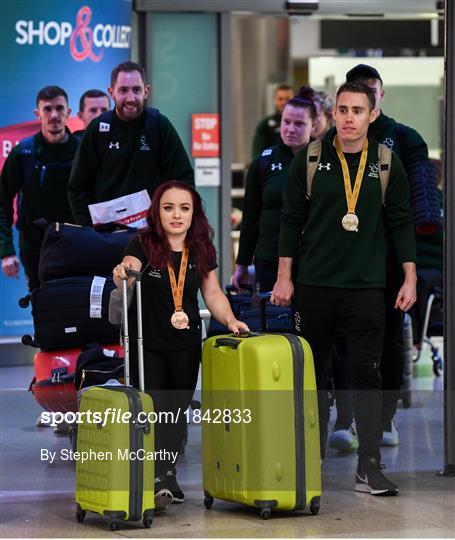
{"x":263,"y":193}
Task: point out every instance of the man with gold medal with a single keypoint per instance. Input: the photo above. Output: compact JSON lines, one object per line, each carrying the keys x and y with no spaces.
{"x":341,"y":252}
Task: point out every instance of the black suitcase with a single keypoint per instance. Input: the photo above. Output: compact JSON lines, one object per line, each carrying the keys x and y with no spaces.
{"x":71,"y":312}
{"x":75,"y":250}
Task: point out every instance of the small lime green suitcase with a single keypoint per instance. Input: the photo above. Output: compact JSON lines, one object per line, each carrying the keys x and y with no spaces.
{"x":117,"y":478}
{"x":260,"y":428}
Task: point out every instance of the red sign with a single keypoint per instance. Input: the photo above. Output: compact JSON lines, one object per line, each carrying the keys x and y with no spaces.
{"x":205,"y":135}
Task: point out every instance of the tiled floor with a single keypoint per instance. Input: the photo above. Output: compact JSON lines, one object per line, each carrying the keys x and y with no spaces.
{"x":37,"y":498}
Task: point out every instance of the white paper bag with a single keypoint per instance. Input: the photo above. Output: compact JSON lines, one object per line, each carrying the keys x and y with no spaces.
{"x":128,"y":210}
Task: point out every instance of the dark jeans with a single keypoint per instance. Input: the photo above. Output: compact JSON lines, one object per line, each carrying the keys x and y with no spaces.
{"x":361,"y":311}
{"x":30,"y":262}
{"x":170,"y":378}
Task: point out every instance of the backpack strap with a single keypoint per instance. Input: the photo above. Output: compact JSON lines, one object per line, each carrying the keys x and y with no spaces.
{"x":385,"y":162}
{"x":28,"y":160}
{"x":30,"y":163}
{"x":313,"y":157}
{"x":264,"y":162}
{"x":151,"y":130}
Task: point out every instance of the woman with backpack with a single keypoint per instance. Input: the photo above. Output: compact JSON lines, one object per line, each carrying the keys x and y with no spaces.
{"x":263,"y":193}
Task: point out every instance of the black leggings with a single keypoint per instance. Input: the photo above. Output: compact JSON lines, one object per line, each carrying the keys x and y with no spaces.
{"x":170,"y":378}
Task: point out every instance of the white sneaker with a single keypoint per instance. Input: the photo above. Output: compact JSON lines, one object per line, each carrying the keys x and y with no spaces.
{"x":163,"y":496}
{"x":344,"y":440}
{"x":390,"y":434}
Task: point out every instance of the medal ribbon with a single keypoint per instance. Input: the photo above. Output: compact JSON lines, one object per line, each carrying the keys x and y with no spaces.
{"x":177,"y":289}
{"x":352,"y":194}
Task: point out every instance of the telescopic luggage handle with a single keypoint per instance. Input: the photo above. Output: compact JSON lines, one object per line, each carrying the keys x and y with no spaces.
{"x":126,"y":338}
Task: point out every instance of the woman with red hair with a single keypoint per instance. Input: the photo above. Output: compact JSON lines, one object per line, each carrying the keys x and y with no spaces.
{"x":177,"y":257}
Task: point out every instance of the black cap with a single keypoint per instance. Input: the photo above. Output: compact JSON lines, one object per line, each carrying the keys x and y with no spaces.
{"x":362,"y":71}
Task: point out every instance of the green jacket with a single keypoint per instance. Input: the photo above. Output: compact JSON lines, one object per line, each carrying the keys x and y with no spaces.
{"x":262,"y":207}
{"x":405,"y":141}
{"x":267,"y":134}
{"x":127,"y":166}
{"x":45,"y":196}
{"x":332,"y":256}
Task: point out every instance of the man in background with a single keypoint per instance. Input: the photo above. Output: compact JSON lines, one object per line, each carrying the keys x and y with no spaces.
{"x":127,"y":150}
{"x":37,"y":170}
{"x":91,"y":104}
{"x":267,"y":132}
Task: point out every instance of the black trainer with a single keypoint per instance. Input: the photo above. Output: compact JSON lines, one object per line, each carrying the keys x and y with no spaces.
{"x":174,"y":488}
{"x":163,"y":495}
{"x":369,"y":478}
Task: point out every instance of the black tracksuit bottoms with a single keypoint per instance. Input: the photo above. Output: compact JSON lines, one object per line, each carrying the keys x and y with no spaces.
{"x":318,"y":310}
{"x":170,"y":378}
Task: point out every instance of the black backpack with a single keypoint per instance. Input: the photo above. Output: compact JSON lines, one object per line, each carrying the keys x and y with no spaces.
{"x":96,"y":365}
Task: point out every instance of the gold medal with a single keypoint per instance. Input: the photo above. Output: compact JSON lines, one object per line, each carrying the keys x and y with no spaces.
{"x":350,"y":222}
{"x":180,"y":320}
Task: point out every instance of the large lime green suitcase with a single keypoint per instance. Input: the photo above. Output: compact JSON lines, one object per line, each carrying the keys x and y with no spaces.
{"x":260,"y":428}
{"x":115,"y":469}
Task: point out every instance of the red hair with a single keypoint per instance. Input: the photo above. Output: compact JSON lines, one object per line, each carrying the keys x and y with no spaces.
{"x":198,"y":239}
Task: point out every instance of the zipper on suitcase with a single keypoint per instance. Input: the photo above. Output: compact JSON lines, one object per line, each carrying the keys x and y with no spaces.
{"x":298,"y":361}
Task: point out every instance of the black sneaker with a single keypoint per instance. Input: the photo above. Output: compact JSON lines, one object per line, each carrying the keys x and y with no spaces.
{"x":369,"y":478}
{"x":174,"y":488}
{"x":163,"y":496}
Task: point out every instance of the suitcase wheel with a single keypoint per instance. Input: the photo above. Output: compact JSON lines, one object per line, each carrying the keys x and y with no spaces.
{"x":208,"y":501}
{"x":147,"y":522}
{"x":113,"y":525}
{"x":438,"y":367}
{"x":80,"y":514}
{"x":266,"y":513}
{"x":314,"y":508}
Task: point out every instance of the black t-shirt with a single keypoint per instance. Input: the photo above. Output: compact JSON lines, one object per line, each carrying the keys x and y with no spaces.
{"x":158,"y":304}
